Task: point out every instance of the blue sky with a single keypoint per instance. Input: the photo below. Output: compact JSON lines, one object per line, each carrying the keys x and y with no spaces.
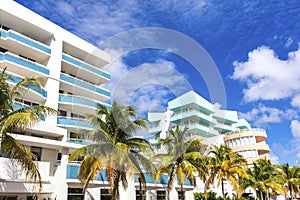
{"x":254,"y":45}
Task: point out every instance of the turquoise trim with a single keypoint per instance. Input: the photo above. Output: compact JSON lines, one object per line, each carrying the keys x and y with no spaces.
{"x":85,"y":66}
{"x":15,"y":80}
{"x":78,"y":100}
{"x":24,"y":63}
{"x":32,"y":43}
{"x":72,"y":173}
{"x":84,"y":85}
{"x":73,"y":122}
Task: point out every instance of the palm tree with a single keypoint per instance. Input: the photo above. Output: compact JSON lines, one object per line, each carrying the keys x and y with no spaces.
{"x":264,"y":178}
{"x":178,"y":160}
{"x":13,"y":120}
{"x":290,"y":177}
{"x":114,"y":148}
{"x":225,"y":165}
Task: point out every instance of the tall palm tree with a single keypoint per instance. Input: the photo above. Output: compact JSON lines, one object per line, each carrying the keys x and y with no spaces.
{"x":225,"y":165}
{"x":177,"y":162}
{"x":290,"y":178}
{"x":12,"y":120}
{"x":114,"y":148}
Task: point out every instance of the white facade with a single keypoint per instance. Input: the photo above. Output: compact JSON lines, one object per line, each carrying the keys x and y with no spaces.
{"x":31,"y":46}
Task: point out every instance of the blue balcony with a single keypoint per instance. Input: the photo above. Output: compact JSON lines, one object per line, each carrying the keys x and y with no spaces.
{"x":72,"y":173}
{"x":42,"y":92}
{"x":150,"y":179}
{"x":84,"y":84}
{"x":25,"y":40}
{"x":79,"y":100}
{"x":85,"y":66}
{"x":73,"y":122}
{"x":79,"y":141}
{"x":18,"y":106}
{"x":23,"y":62}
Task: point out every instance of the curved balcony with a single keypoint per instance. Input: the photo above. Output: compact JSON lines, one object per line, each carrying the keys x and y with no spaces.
{"x":191,"y":114}
{"x":78,"y":103}
{"x":11,"y":39}
{"x":84,"y":70}
{"x":259,"y":134}
{"x":83,"y":88}
{"x":22,"y":66}
{"x":261,"y":147}
{"x":76,"y":123}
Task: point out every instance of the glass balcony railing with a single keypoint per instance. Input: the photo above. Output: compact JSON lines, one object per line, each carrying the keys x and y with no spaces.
{"x":25,"y":40}
{"x":85,"y":66}
{"x":64,"y":98}
{"x":42,"y":92}
{"x":23,"y":62}
{"x":73,"y":122}
{"x":84,"y":84}
{"x":72,"y":173}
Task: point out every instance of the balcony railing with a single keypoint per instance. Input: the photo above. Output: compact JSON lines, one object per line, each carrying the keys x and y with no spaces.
{"x":85,"y":66}
{"x":23,"y":62}
{"x":73,"y":122}
{"x":79,"y":141}
{"x":190,"y":113}
{"x":83,"y":84}
{"x":15,"y":80}
{"x":247,"y":131}
{"x":72,"y":173}
{"x":65,"y":98}
{"x":25,"y":40}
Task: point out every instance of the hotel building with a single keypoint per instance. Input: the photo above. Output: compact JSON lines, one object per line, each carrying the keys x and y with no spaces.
{"x":31,"y":46}
{"x":214,"y":126}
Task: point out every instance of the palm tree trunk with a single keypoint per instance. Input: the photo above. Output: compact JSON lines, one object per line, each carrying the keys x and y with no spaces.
{"x":222,"y":184}
{"x":261,"y":195}
{"x":182,"y":195}
{"x":291,"y":191}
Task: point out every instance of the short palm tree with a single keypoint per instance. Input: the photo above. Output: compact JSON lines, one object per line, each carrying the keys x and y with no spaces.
{"x":114,"y":148}
{"x":177,"y":162}
{"x":290,"y":177}
{"x":263,"y":178}
{"x":225,"y":165}
{"x":12,"y":120}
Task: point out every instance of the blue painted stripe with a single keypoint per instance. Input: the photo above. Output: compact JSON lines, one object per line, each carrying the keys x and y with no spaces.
{"x":23,"y":63}
{"x":85,"y":66}
{"x":73,"y":122}
{"x":78,"y":100}
{"x":72,"y":173}
{"x":84,"y":85}
{"x":32,"y":43}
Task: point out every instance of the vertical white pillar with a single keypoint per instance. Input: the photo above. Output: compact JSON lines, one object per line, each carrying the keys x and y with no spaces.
{"x":52,"y":85}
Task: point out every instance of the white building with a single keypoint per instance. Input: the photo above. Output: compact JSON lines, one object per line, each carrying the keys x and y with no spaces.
{"x":32,"y":46}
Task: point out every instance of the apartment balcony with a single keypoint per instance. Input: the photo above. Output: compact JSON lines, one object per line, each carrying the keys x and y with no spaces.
{"x":78,"y":103}
{"x":33,"y":92}
{"x":72,"y":173}
{"x":259,"y":134}
{"x":261,"y":147}
{"x":193,"y":115}
{"x":77,"y":123}
{"x":205,"y":131}
{"x":12,"y":40}
{"x":83,"y":70}
{"x":224,"y":127}
{"x":13,"y":178}
{"x":79,"y":141}
{"x":154,"y":130}
{"x":21,"y":66}
{"x":83,"y":88}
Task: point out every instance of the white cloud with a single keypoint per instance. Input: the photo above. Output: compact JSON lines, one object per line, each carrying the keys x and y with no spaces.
{"x":295,"y":128}
{"x":274,"y":159}
{"x":263,"y":115}
{"x":148,"y":87}
{"x":267,"y":76}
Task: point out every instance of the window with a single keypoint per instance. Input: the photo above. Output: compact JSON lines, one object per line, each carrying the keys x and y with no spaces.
{"x":181,"y":195}
{"x":138,"y":195}
{"x":62,"y":113}
{"x":75,"y":194}
{"x":8,"y":198}
{"x":161,"y":195}
{"x":104,"y":194}
{"x":37,"y":151}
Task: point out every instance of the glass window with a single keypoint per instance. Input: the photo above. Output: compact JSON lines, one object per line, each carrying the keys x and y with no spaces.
{"x":104,"y":194}
{"x":161,"y":195}
{"x":181,"y":195}
{"x":37,"y":151}
{"x":75,"y":194}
